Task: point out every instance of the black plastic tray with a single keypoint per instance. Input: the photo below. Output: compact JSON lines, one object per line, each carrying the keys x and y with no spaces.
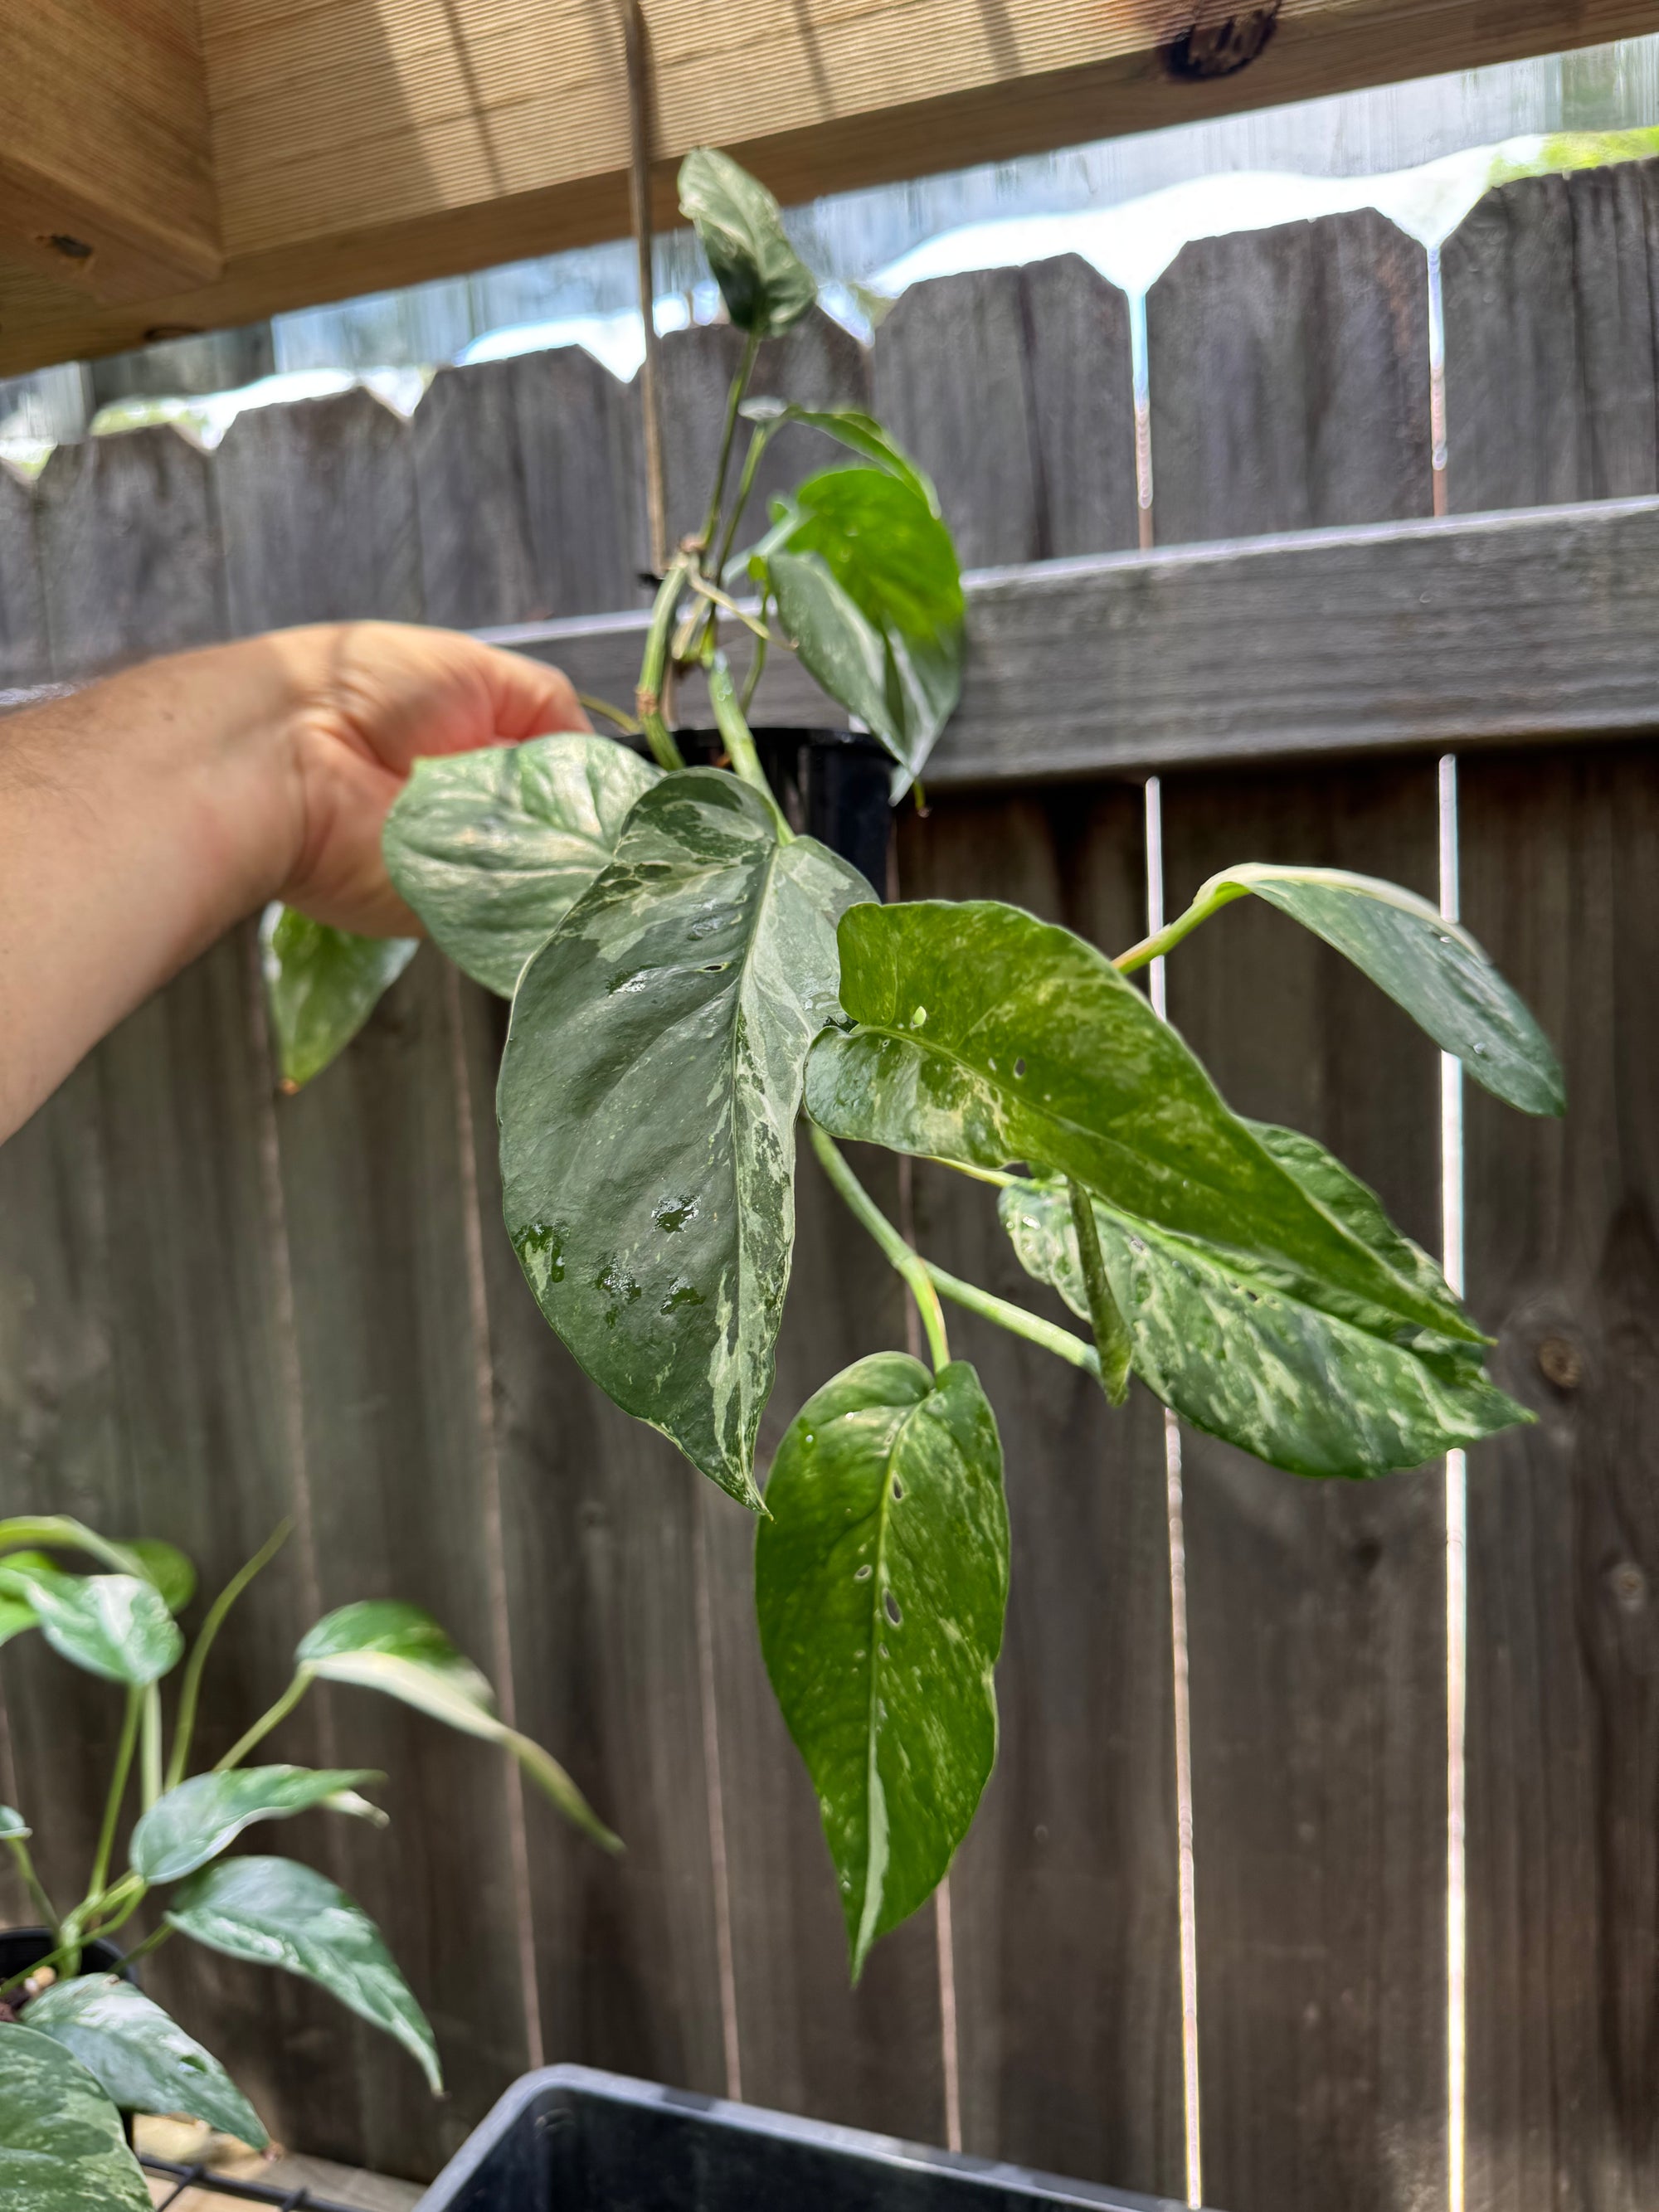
{"x":572,"y":2140}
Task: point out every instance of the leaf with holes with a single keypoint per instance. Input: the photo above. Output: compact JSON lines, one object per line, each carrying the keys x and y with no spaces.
{"x":381,"y":1644}
{"x":115,"y":1625}
{"x":647,"y":1101}
{"x":988,"y":1037}
{"x":275,"y":1912}
{"x":202,"y":1817}
{"x":1246,"y":1352}
{"x":869,"y":592}
{"x":492,"y":848}
{"x":62,"y":2147}
{"x":322,"y":984}
{"x":141,"y":2059}
{"x":1426,"y":964}
{"x":881,"y":1580}
{"x":765,"y":284}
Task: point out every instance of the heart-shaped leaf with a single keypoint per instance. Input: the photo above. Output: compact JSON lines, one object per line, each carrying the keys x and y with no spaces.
{"x":171,"y":1571}
{"x":869,"y":593}
{"x":1426,"y":964}
{"x":142,"y":2060}
{"x":381,"y":1644}
{"x":322,"y":984}
{"x":62,"y":2145}
{"x":854,"y":429}
{"x":988,"y":1037}
{"x":115,"y":1625}
{"x":648,"y":1101}
{"x":1246,"y":1352}
{"x":275,"y":1912}
{"x":492,"y":848}
{"x":195,"y":1822}
{"x":763,"y":281}
{"x":881,"y":1580}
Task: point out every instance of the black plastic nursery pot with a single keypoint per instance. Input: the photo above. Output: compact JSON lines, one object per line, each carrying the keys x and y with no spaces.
{"x":572,"y":2140}
{"x":833,"y":785}
{"x":23,"y":1947}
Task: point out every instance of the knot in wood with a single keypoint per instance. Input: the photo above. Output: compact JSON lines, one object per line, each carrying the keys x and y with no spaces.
{"x":1560,"y":1363}
{"x":1220,"y":46}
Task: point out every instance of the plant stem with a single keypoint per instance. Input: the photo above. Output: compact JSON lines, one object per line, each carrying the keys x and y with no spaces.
{"x":733,"y":401}
{"x":1016,"y":1319}
{"x":654,"y":667}
{"x":717,"y":598}
{"x":267,"y":1720}
{"x":118,"y":1791}
{"x":627,"y":723}
{"x":908,"y":1262}
{"x":149,"y":1763}
{"x":191,"y":1689}
{"x":1163,"y":940}
{"x":1112,"y":1339}
{"x":763,"y":638}
{"x":152,"y":1942}
{"x":757,"y":445}
{"x":739,"y":740}
{"x":42,"y":1904}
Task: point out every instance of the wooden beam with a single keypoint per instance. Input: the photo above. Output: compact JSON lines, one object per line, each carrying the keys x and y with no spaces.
{"x":365,"y":143}
{"x":1486,"y":629}
{"x":105,"y":172}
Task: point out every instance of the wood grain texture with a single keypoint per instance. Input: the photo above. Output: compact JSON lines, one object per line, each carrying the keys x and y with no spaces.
{"x":131,"y":556}
{"x":1552,"y":387}
{"x":1288,"y":371}
{"x":530,"y":492}
{"x":1013,"y":389}
{"x":1063,"y":1898}
{"x":1564,"y":1547}
{"x":600,"y":1541}
{"x":319,"y":513}
{"x":105,"y":141}
{"x":381,"y":143}
{"x":24,"y":656}
{"x":1316,"y":1610}
{"x":1389,"y":638}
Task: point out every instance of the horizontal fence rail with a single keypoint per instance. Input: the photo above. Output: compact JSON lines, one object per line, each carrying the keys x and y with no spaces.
{"x":218,"y":1307}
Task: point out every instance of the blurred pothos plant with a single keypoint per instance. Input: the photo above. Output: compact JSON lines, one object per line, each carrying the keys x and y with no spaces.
{"x":80,"y":2046}
{"x":692,"y":984}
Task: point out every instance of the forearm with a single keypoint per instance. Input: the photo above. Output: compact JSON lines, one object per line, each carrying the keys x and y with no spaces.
{"x":138,"y":820}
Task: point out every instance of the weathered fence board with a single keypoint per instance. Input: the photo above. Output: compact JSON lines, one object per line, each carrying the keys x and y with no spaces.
{"x":1564,"y":1547}
{"x":1289,"y":374}
{"x":1069,"y":1881}
{"x":23,"y":651}
{"x":1316,"y":1610}
{"x":1552,"y":389}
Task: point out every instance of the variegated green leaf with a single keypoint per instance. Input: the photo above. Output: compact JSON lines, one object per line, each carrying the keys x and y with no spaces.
{"x":115,"y":1625}
{"x":763,"y":281}
{"x":193,"y":1823}
{"x":62,"y":2149}
{"x":852,"y":427}
{"x":492,"y":848}
{"x":140,"y":2057}
{"x":988,"y":1037}
{"x":881,"y":1579}
{"x":647,"y":1101}
{"x":322,"y":984}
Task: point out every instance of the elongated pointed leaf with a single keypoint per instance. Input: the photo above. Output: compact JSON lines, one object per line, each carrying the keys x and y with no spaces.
{"x":869,"y":593}
{"x":61,"y":2148}
{"x":1429,"y":966}
{"x":492,"y":848}
{"x":322,"y":984}
{"x":141,"y":2059}
{"x":383,"y":1645}
{"x":1246,"y":1352}
{"x":881,"y":1580}
{"x":171,"y":1571}
{"x":58,"y":1532}
{"x":275,"y":1912}
{"x":763,"y":281}
{"x":989,"y":1037}
{"x":114,"y":1625}
{"x":647,"y":1101}
{"x":855,"y":429}
{"x":195,"y":1822}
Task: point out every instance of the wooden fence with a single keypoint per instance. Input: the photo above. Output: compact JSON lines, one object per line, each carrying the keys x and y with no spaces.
{"x":217,"y":1307}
